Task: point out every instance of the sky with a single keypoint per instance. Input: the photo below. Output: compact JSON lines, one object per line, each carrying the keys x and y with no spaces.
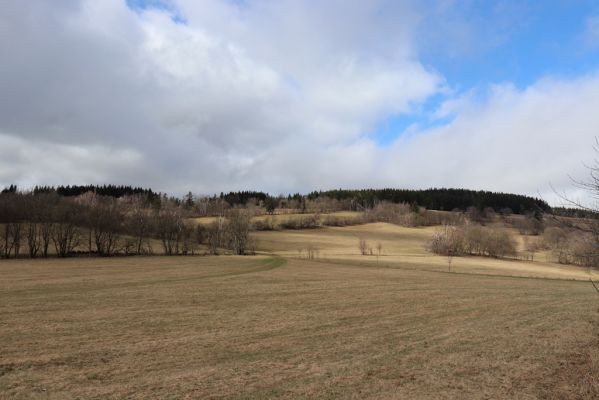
{"x":291,"y":96}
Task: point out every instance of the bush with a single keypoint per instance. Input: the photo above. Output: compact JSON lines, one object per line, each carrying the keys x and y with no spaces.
{"x":500,"y":244}
{"x":388,"y":212}
{"x":267,"y":224}
{"x":303,"y":222}
{"x":333,"y":220}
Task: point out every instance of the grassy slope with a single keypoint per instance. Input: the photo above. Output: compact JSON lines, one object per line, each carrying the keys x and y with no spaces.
{"x":407,"y":248}
{"x":342,"y":326}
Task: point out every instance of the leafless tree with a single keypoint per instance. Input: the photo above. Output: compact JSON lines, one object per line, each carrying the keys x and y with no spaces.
{"x":363,"y":246}
{"x":168,"y":227}
{"x":590,"y":225}
{"x":312,"y":252}
{"x":65,"y":234}
{"x":188,"y":240}
{"x":215,"y":235}
{"x":10,"y":237}
{"x":473,"y":239}
{"x":447,"y":239}
{"x":34,"y":238}
{"x":138,"y":225}
{"x":529,"y":224}
{"x":238,"y":230}
{"x":531,"y":246}
{"x":105,"y":218}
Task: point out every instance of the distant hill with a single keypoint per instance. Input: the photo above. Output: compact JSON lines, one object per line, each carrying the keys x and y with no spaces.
{"x":432,"y":199}
{"x":440,"y":199}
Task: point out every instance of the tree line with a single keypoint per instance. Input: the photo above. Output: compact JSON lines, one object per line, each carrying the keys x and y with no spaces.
{"x":116,"y":191}
{"x":320,"y":201}
{"x":439,"y":199}
{"x":432,"y":199}
{"x":44,"y":224}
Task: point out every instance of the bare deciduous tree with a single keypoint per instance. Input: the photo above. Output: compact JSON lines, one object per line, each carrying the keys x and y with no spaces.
{"x":168,"y":226}
{"x":363,"y":246}
{"x":65,"y":234}
{"x":138,"y":226}
{"x":239,"y":223}
{"x":589,"y":226}
{"x":215,"y":235}
{"x":105,"y":219}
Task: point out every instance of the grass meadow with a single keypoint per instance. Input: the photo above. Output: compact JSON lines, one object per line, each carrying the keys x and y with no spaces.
{"x":342,"y":325}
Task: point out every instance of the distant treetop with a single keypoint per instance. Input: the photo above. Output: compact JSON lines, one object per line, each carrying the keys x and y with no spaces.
{"x":439,"y":199}
{"x":103,"y":190}
{"x":432,"y":199}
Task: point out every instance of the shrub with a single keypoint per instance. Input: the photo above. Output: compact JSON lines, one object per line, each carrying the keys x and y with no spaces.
{"x":267,"y":224}
{"x":388,"y":212}
{"x":500,"y":244}
{"x":303,"y":222}
{"x":333,"y":220}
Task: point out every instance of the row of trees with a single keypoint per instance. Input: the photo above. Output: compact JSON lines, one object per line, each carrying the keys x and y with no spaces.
{"x":43,"y":224}
{"x":437,"y":199}
{"x":571,"y":246}
{"x":473,"y":240}
{"x":565,"y":245}
{"x":317,"y":201}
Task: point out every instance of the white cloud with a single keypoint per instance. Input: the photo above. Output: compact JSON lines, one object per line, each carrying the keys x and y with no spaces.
{"x":271,"y":96}
{"x":516,"y":140}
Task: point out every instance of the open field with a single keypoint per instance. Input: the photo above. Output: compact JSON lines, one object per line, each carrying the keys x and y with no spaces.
{"x":340,"y":326}
{"x":407,"y":248}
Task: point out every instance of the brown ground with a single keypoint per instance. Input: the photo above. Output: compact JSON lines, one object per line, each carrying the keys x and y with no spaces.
{"x":263,"y":327}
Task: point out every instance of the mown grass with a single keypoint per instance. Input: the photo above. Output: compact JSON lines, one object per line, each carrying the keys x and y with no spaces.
{"x":263,"y":327}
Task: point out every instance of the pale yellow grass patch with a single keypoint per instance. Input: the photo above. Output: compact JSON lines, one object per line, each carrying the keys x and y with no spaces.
{"x":407,"y":248}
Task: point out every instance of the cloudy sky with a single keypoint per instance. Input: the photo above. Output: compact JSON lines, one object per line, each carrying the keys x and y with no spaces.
{"x":295,"y":95}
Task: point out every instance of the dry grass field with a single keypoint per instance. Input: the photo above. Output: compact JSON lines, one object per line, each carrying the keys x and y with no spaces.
{"x":403,"y":247}
{"x":340,"y":326}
